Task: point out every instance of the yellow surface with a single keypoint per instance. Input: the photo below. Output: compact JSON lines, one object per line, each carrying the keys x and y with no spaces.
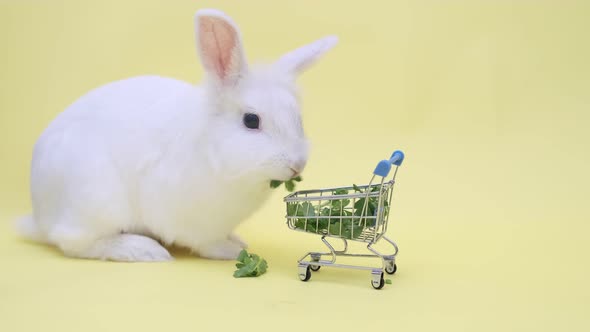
{"x":489,"y":100}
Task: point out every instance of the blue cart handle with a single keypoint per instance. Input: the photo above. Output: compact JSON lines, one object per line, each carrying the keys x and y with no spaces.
{"x":384,"y":166}
{"x":397,"y":158}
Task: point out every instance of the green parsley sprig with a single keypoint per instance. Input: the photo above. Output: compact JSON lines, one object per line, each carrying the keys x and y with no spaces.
{"x":289,"y":185}
{"x":249,"y":265}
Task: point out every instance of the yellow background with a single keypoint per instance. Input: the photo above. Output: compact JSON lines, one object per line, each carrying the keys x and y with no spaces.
{"x":489,"y":100}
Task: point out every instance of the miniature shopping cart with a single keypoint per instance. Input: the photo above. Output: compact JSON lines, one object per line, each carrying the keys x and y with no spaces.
{"x":356,"y":213}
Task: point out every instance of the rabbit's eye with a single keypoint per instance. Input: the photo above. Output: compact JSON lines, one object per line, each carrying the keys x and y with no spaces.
{"x":251,"y":121}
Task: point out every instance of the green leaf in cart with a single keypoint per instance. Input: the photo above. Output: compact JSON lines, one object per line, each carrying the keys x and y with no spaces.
{"x":308,"y":209}
{"x":358,"y":206}
{"x":300,"y":224}
{"x":341,"y":192}
{"x":291,"y":209}
{"x":335,"y":229}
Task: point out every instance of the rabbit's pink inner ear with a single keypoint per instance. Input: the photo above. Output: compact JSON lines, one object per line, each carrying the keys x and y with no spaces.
{"x":219,"y":46}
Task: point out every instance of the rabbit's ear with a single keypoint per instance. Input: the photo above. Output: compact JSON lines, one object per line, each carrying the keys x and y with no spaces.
{"x":302,"y":58}
{"x":219,"y":46}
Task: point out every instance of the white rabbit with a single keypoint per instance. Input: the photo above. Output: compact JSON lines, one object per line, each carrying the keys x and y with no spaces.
{"x":156,"y":158}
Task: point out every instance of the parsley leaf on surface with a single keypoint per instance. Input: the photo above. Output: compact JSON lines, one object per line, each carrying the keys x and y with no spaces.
{"x":249,"y":265}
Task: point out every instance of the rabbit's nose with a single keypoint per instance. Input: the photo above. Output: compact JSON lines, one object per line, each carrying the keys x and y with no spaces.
{"x":298,"y":166}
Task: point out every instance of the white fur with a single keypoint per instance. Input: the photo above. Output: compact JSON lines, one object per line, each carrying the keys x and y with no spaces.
{"x":155,"y":158}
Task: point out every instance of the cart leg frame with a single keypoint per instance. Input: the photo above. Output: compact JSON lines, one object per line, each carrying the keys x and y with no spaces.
{"x":315,"y":262}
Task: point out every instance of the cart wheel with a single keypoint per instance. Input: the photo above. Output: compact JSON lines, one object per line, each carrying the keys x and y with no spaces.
{"x":378,"y":282}
{"x":305,"y":275}
{"x":390,"y":268}
{"x":315,"y":268}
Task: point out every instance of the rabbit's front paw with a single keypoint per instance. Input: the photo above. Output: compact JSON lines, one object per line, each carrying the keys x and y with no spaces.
{"x":238,"y":240}
{"x":224,"y":249}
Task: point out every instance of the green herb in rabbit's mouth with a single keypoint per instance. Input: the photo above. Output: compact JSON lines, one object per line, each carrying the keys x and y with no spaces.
{"x":289,"y":185}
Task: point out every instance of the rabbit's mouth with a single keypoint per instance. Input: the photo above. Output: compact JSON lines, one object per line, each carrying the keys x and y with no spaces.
{"x":279,"y":170}
{"x":289,"y":175}
{"x":296,"y":173}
